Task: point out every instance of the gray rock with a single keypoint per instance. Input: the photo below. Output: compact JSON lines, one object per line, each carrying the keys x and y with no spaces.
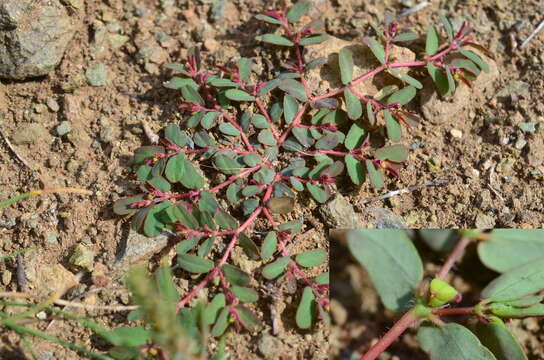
{"x":515,"y":87}
{"x":384,"y":218}
{"x":51,"y":238}
{"x":339,"y":213}
{"x":33,"y":37}
{"x":97,"y":75}
{"x":138,"y":247}
{"x":106,"y":135}
{"x":64,"y":128}
{"x":527,"y":127}
{"x":484,"y":221}
{"x":82,"y":257}
{"x":53,"y":105}
{"x":269,"y":346}
{"x":29,"y":133}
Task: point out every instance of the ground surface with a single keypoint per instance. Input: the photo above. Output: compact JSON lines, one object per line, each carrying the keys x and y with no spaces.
{"x":494,"y":180}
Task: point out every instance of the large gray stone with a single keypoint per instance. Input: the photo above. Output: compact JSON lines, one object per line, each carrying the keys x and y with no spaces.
{"x":33,"y":37}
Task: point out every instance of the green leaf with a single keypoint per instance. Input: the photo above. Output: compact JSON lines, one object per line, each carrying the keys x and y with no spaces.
{"x":356,"y":170}
{"x":408,"y":36}
{"x":376,"y":177}
{"x":402,"y":96}
{"x":370,"y":113}
{"x":294,"y":226}
{"x":260,"y":122}
{"x":185,"y":245}
{"x":318,"y":193}
{"x":507,"y":249}
{"x":225,"y":220}
{"x":432,"y":42}
{"x":406,"y":78}
{"x":250,"y":249}
{"x":275,"y":39}
{"x":392,"y":262}
{"x":323,"y":278}
{"x":226,"y":164}
{"x":328,"y":142}
{"x":476,"y":59}
{"x":304,"y":136}
{"x":281,"y":205}
{"x":177,"y":83}
{"x":290,"y":108}
{"x":439,"y":78}
{"x":235,"y":275}
{"x":213,"y":308}
{"x":145,"y":152}
{"x":143,"y":173}
{"x":252,"y":159}
{"x":173,"y":133}
{"x":298,"y":10}
{"x":394,"y":131}
{"x":516,"y":283}
{"x":250,"y":320}
{"x":207,"y":202}
{"x":345,"y":61}
{"x":191,"y":179}
{"x":442,"y":240}
{"x":451,"y":81}
{"x":264,"y":176}
{"x":451,"y":342}
{"x":194,"y":264}
{"x":191,"y":95}
{"x":128,"y":336}
{"x":276,"y":268}
{"x":268,"y":19}
{"x":156,"y":219}
{"x":184,"y":216}
{"x":269,"y":245}
{"x":294,"y":88}
{"x":206,"y":246}
{"x":222,"y":322}
{"x":500,"y":341}
{"x":122,"y":206}
{"x":447,"y":25}
{"x":311,"y":258}
{"x":223,"y":83}
{"x":394,"y":153}
{"x":229,"y":129}
{"x":249,"y":206}
{"x":314,"y":39}
{"x":160,"y":183}
{"x":265,"y":137}
{"x":376,"y":48}
{"x":238,"y":95}
{"x":306,"y":309}
{"x":174,"y":168}
{"x":244,"y":68}
{"x":244,"y":294}
{"x":353,"y":104}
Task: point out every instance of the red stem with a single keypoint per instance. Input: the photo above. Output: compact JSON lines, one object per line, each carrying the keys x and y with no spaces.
{"x":453,"y":257}
{"x":405,"y":322}
{"x":454,"y":311}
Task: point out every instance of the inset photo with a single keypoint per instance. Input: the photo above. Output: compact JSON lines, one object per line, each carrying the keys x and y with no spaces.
{"x":437,"y":294}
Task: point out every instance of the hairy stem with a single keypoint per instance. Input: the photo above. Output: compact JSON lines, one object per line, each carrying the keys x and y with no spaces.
{"x":454,"y":256}
{"x":406,"y":321}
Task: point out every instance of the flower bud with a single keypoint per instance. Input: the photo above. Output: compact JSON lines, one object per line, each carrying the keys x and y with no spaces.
{"x":441,"y":293}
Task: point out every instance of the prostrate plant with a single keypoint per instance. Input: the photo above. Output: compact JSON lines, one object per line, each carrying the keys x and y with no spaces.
{"x":396,"y":270}
{"x":252,"y":143}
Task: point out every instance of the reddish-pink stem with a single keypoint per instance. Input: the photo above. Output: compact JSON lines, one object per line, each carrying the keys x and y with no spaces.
{"x":234,"y":177}
{"x":268,"y":118}
{"x":454,"y":311}
{"x":405,"y":322}
{"x":242,"y":133}
{"x":453,"y":257}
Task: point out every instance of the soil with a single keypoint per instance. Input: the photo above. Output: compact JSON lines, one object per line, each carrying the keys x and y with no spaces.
{"x":492,"y":183}
{"x":360,"y":319}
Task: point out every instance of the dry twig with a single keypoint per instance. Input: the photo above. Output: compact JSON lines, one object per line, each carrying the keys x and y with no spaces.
{"x":438,"y":182}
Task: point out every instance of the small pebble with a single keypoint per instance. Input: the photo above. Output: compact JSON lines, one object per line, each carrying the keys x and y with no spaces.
{"x":42,"y":315}
{"x":458,"y":134}
{"x":520,"y":144}
{"x":64,"y":128}
{"x":53,"y":105}
{"x":527,"y":127}
{"x":97,"y":75}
